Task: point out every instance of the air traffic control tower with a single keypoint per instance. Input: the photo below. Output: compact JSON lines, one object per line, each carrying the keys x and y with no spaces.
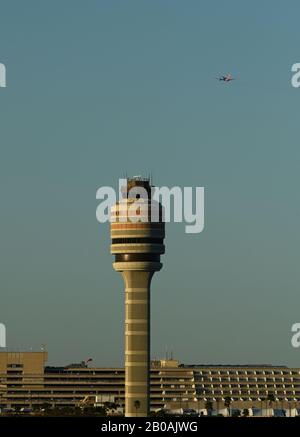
{"x":137,"y":243}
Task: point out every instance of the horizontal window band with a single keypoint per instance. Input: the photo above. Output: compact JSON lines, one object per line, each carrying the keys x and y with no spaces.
{"x":139,"y":297}
{"x":140,"y":240}
{"x":128,"y":257}
{"x":131,"y":352}
{"x":137,"y":364}
{"x":133,"y":217}
{"x":137,"y":233}
{"x":136,"y":332}
{"x":137,"y":225}
{"x":158,"y":249}
{"x":129,"y":359}
{"x":130,"y":200}
{"x":136,"y":301}
{"x":137,"y":320}
{"x":136,"y":289}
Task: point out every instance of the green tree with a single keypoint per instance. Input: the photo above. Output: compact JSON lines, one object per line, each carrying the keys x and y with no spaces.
{"x":236,"y":413}
{"x":261,"y":404}
{"x":271,"y":398}
{"x":160,"y":413}
{"x":245,"y":412}
{"x":111,"y":405}
{"x":209,"y":407}
{"x":227,"y":403}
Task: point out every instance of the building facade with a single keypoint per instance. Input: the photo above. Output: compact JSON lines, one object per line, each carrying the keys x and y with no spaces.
{"x":25,"y":381}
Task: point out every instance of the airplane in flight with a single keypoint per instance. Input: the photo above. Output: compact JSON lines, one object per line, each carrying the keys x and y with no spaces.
{"x":225,"y":78}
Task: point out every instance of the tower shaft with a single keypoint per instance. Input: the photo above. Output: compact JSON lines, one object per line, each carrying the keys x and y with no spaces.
{"x":137,"y":343}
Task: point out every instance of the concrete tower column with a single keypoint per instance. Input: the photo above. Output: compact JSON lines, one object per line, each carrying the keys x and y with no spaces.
{"x":137,"y":342}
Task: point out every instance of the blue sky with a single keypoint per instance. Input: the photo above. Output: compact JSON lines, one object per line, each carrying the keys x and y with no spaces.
{"x":99,"y":88}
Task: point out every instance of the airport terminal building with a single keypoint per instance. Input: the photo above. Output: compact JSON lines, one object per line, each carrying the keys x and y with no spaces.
{"x":26,"y":381}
